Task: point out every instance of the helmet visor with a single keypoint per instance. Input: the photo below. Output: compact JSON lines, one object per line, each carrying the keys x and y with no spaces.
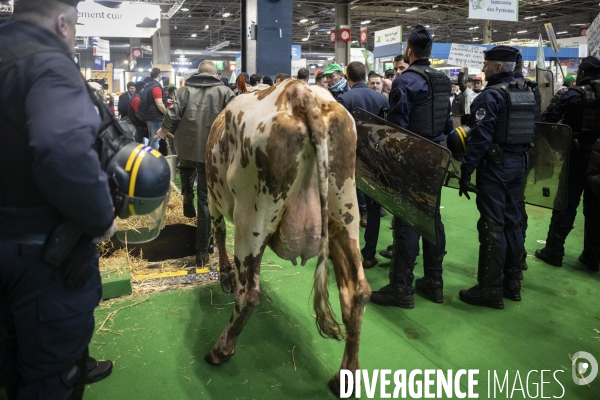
{"x":144,"y":228}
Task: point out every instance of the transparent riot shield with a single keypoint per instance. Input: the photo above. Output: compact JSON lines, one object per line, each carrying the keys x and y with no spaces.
{"x":545,"y":182}
{"x":401,"y":171}
{"x":546,"y":178}
{"x":545,"y":81}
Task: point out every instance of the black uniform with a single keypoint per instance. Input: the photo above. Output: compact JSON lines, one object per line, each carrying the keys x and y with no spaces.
{"x":580,"y":108}
{"x":502,"y":126}
{"x":49,"y":173}
{"x":419,"y":102}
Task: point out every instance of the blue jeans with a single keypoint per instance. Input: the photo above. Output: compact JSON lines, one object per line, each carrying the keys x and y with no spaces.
{"x":153,"y":127}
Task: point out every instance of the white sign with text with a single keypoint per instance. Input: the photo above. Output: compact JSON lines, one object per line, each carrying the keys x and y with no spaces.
{"x":466,"y":56}
{"x":388,"y":36}
{"x":117,"y":19}
{"x":593,"y":37}
{"x":497,"y":10}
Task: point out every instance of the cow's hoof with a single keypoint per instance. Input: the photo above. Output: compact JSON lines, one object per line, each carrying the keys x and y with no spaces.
{"x":334,"y":384}
{"x":216,"y":360}
{"x":226,"y":284}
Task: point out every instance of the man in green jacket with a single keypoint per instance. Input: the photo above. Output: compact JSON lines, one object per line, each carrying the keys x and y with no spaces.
{"x":195,"y":107}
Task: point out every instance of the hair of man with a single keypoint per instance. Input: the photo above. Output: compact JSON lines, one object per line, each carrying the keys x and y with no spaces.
{"x":154,"y":73}
{"x":356,"y":71}
{"x":207,"y":67}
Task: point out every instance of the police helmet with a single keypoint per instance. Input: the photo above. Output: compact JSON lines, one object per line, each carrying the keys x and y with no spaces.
{"x":139,"y":178}
{"x":457,"y":140}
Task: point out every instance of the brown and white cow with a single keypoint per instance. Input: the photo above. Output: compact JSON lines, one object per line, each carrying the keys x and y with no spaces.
{"x":280,"y":166}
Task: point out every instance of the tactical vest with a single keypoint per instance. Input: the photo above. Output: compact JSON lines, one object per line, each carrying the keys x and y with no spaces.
{"x":428,"y":118}
{"x":585,"y":117}
{"x":516,"y":122}
{"x":537,"y":96}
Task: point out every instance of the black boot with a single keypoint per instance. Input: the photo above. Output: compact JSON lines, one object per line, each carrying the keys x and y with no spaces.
{"x":387,"y":253}
{"x":397,"y":293}
{"x":432,"y":286}
{"x":489,"y":272}
{"x":512,"y":289}
{"x":591,"y":260}
{"x":554,"y":251}
{"x":187,"y":191}
{"x":489,"y":297}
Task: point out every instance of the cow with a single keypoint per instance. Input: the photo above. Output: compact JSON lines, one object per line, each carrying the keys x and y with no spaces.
{"x":280,"y":166}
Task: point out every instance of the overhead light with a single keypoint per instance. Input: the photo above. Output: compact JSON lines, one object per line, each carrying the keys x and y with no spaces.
{"x":328,"y":32}
{"x":426,"y":26}
{"x":206,"y":26}
{"x":561,"y":33}
{"x":194,"y":35}
{"x":303,"y":20}
{"x":475,"y":38}
{"x":473,"y":27}
{"x":225,"y":15}
{"x":412,"y":9}
{"x":184,"y":9}
{"x":579,"y":24}
{"x":182,"y":56}
{"x":305,"y":39}
{"x":525,"y":31}
{"x":312,"y":22}
{"x":354,"y":41}
{"x":435,"y":6}
{"x":365,"y":22}
{"x":531,"y":17}
{"x":495,"y":30}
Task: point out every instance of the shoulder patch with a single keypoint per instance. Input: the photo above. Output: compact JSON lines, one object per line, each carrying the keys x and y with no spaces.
{"x":480,"y":114}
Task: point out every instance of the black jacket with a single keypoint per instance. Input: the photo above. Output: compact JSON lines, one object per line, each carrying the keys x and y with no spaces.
{"x":593,"y":171}
{"x":360,"y":96}
{"x":50,"y":170}
{"x":123,"y":107}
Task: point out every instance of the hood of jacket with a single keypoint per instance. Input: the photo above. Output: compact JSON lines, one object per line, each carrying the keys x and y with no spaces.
{"x":203,"y":80}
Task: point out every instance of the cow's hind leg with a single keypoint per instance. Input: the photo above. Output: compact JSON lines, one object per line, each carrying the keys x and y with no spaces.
{"x":247,"y":295}
{"x":354,"y":294}
{"x":226,"y":272}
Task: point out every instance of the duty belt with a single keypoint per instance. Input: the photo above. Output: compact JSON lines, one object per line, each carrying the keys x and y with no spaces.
{"x":24,"y":238}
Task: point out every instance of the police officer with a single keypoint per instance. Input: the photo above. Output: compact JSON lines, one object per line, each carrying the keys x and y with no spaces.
{"x":419,"y":102}
{"x":49,"y":173}
{"x":580,"y":107}
{"x":519,"y":77}
{"x":502,"y":127}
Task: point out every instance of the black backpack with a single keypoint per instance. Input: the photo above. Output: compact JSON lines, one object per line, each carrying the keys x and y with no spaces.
{"x":146,"y":99}
{"x":458,"y":104}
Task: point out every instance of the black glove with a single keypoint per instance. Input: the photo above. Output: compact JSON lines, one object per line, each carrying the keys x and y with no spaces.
{"x":465,"y":186}
{"x":78,"y":266}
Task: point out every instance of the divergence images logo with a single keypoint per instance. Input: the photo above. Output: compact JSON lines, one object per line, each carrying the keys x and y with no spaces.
{"x":581,"y":367}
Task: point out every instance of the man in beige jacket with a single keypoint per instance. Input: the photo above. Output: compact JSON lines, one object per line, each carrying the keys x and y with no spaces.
{"x":195,"y":107}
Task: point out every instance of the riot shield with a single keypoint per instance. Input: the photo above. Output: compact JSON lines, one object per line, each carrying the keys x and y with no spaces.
{"x":401,"y":171}
{"x":545,"y":81}
{"x":546,"y":178}
{"x":545,"y":181}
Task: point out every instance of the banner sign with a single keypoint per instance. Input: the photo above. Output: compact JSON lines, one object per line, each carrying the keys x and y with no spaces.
{"x":388,"y":36}
{"x":113,"y":19}
{"x":101,"y":48}
{"x":364,"y":35}
{"x":466,"y":55}
{"x":296,"y":51}
{"x":593,"y":37}
{"x":497,"y":10}
{"x":344,"y":33}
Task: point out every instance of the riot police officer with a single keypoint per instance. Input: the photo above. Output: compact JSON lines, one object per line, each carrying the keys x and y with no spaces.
{"x":419,"y":102}
{"x":49,"y":173}
{"x":502,"y":127}
{"x":580,"y":107}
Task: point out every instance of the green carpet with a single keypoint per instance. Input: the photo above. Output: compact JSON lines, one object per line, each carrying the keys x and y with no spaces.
{"x":158,"y":345}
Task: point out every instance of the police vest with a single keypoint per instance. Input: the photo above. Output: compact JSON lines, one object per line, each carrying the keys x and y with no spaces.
{"x":536,"y":95}
{"x":585,"y":117}
{"x":516,"y":122}
{"x":428,"y":118}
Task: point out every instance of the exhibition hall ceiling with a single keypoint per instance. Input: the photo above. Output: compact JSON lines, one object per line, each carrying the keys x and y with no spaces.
{"x":198,"y":24}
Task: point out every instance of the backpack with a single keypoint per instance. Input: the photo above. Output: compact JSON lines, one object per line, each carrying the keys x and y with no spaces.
{"x":458,"y":104}
{"x":146,"y":99}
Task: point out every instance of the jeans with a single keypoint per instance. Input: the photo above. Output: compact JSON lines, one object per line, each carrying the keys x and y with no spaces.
{"x":153,"y":127}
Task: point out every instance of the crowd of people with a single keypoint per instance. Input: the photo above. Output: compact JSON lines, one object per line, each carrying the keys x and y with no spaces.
{"x":40,"y":192}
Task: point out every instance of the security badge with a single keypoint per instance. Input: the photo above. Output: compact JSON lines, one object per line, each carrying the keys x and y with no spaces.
{"x":480,"y":114}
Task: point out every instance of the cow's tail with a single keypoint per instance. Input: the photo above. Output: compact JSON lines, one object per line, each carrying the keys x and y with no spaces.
{"x":325,"y":319}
